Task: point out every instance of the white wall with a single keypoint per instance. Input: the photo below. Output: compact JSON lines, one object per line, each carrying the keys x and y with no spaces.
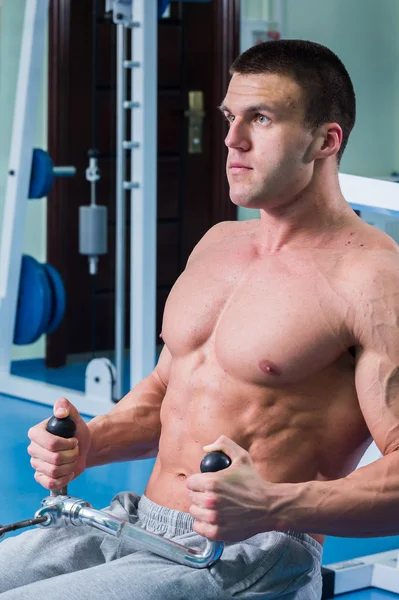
{"x":11,"y":23}
{"x":363,"y":34}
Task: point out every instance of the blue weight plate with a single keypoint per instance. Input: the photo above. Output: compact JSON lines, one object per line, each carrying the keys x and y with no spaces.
{"x":34,"y":302}
{"x":162,"y":6}
{"x":42,"y":176}
{"x":58,"y":298}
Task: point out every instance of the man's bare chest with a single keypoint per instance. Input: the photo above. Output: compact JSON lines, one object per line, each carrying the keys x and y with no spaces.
{"x":267,"y":322}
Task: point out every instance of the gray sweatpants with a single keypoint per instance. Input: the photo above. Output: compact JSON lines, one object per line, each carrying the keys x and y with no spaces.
{"x":82,"y":563}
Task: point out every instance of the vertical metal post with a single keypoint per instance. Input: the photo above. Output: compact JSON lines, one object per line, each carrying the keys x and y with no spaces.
{"x":120,"y":255}
{"x":143,"y":192}
{"x":19,"y":170}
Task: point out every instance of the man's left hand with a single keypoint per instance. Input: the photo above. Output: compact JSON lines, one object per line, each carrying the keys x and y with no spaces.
{"x":230,"y":505}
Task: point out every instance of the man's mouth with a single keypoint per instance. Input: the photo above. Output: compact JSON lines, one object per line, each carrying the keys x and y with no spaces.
{"x":239,"y":166}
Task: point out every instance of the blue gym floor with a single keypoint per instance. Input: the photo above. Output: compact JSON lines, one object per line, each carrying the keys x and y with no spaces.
{"x":21,"y":496}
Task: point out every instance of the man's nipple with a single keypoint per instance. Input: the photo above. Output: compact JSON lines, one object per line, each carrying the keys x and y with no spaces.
{"x":269,"y":368}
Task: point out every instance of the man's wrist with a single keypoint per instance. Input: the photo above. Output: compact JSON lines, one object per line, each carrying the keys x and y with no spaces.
{"x":289,"y":506}
{"x":96,"y":426}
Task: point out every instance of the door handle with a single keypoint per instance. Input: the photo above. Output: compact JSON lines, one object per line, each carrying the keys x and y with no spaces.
{"x":195,"y":115}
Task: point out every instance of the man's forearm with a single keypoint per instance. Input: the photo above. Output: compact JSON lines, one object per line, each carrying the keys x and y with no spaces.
{"x":363,"y":504}
{"x":131,"y":430}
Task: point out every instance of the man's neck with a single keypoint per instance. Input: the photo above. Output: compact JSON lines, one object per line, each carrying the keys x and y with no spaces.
{"x":308,"y":220}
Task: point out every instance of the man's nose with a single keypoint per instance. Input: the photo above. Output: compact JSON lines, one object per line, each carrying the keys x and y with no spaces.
{"x":237,"y":137}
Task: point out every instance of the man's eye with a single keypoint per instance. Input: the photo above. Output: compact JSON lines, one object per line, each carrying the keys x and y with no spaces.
{"x":262,"y":119}
{"x":229,"y":118}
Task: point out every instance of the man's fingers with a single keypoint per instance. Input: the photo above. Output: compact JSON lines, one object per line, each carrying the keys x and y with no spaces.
{"x":228,"y":446}
{"x":203,"y":500}
{"x":212,"y":532}
{"x":200,"y":482}
{"x":52,"y":484}
{"x":203,"y":514}
{"x":205,"y":522}
{"x":52,"y":471}
{"x":54,"y":443}
{"x":63,"y":408}
{"x":53,"y":458}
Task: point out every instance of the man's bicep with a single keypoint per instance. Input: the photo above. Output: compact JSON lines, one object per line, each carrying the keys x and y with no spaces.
{"x":376,"y":334}
{"x":377,"y":386}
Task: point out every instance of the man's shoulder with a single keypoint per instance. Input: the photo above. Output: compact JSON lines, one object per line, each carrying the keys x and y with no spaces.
{"x":374,"y":260}
{"x":370,"y":283}
{"x":228,"y":228}
{"x":222,"y":231}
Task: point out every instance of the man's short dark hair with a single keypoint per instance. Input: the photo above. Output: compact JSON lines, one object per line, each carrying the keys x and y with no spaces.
{"x":329,"y":93}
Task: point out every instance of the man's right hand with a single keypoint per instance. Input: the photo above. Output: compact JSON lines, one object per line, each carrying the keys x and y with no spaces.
{"x":58,"y":460}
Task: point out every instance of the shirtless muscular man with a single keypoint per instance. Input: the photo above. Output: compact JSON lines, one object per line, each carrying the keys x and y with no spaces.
{"x":281,"y":348}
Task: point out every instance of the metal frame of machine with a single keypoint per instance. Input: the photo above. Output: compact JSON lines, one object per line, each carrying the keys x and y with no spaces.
{"x":380,"y":571}
{"x":104,"y":382}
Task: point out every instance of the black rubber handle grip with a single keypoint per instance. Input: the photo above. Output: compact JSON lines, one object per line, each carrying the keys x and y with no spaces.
{"x":64,"y":428}
{"x":215,"y":461}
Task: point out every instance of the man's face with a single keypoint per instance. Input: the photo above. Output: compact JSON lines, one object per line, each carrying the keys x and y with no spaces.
{"x":267,"y":140}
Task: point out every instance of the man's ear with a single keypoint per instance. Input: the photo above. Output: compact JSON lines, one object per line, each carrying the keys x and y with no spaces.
{"x":327,"y":140}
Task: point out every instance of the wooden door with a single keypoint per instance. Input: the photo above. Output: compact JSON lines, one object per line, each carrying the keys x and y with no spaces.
{"x":196,"y":45}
